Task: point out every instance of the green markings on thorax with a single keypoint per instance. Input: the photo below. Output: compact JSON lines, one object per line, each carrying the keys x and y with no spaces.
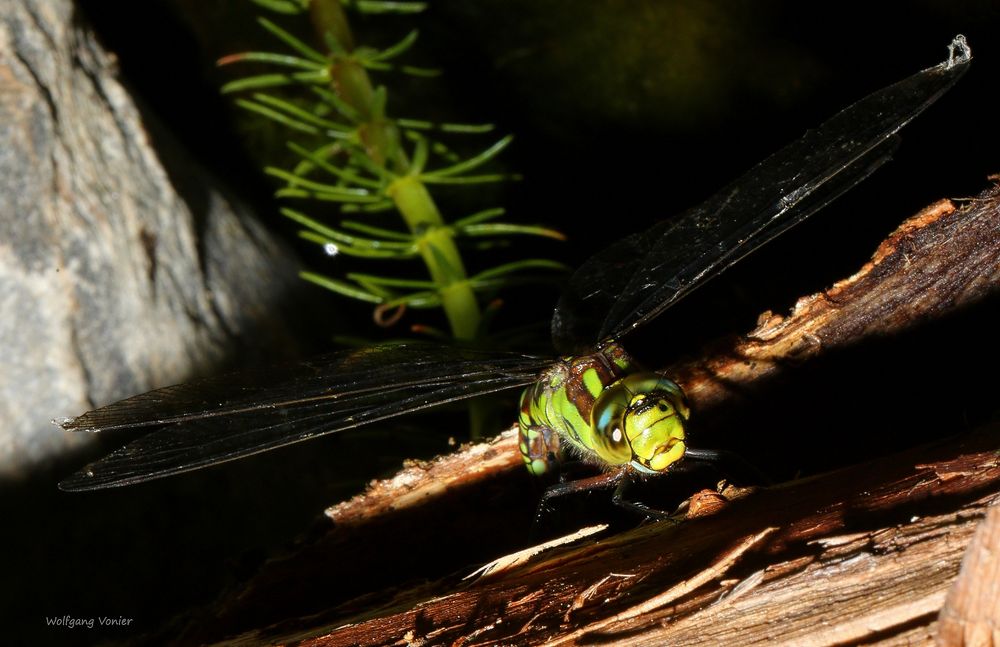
{"x":560,"y":405}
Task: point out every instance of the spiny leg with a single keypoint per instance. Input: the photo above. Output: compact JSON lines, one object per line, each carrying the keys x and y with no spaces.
{"x":618,"y":498}
{"x":600,"y":481}
{"x":620,"y":479}
{"x":726,"y":461}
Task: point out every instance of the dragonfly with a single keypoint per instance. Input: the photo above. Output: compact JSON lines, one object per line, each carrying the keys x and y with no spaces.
{"x":592,"y":400}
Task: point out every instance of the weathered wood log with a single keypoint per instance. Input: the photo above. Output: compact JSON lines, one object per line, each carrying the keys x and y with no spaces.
{"x":864,"y":553}
{"x":972,"y":608}
{"x":941,"y":259}
{"x":861,"y":554}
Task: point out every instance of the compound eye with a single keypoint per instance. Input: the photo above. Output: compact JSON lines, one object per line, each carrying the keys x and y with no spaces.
{"x":608,"y":420}
{"x":616,"y":436}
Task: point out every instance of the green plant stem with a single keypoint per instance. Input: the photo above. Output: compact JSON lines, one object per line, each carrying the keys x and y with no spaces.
{"x":327,"y":17}
{"x":440,"y":254}
{"x":381,"y":139}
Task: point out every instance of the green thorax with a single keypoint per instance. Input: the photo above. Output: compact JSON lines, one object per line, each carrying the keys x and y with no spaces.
{"x":599,"y":407}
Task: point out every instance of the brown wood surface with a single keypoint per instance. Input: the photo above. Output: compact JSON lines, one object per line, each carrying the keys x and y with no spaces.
{"x":971,"y":612}
{"x":864,"y":553}
{"x":812,"y":562}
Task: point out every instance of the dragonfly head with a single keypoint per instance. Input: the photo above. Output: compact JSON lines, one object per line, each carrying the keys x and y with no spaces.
{"x":640,"y":420}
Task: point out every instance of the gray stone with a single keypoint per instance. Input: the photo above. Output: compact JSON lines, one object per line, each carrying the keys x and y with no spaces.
{"x":113,"y":280}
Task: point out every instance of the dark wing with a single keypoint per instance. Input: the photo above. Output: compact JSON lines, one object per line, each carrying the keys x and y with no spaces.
{"x":639,"y":277}
{"x":224,"y":418}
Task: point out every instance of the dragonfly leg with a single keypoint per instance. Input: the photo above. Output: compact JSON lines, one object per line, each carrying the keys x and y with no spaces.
{"x":603,"y":480}
{"x":618,"y":498}
{"x":600,"y":481}
{"x":574,"y":470}
{"x":619,"y":479}
{"x":728,"y":462}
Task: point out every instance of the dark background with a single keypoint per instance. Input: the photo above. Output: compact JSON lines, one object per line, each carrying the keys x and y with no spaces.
{"x":624,"y":113}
